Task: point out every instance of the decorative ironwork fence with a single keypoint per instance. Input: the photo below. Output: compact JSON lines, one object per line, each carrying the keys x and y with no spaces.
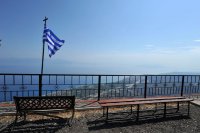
{"x":97,"y":86}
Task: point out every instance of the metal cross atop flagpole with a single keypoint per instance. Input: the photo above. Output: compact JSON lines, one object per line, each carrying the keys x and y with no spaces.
{"x":40,"y":77}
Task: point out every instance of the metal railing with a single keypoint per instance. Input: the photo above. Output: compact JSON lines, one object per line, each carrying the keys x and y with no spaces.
{"x":97,"y":86}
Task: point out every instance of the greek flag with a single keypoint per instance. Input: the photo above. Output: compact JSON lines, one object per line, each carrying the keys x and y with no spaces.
{"x":54,"y":43}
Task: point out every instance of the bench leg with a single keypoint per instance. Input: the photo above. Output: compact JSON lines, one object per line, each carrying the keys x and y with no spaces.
{"x":138,"y":110}
{"x":16,"y":117}
{"x":24,"y":116}
{"x":131,"y":109}
{"x":103,"y":111}
{"x":72,"y":117}
{"x":178,"y":106}
{"x":106,"y":114}
{"x":165,"y":110}
{"x":19,"y":114}
{"x":155,"y":109}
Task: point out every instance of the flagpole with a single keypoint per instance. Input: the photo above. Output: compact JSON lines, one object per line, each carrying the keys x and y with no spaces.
{"x":45,"y":22}
{"x":40,"y":77}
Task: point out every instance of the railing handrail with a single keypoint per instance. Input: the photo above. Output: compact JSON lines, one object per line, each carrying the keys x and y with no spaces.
{"x":54,"y":74}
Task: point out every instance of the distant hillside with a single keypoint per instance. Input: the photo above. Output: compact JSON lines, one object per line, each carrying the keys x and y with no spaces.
{"x":181,"y":73}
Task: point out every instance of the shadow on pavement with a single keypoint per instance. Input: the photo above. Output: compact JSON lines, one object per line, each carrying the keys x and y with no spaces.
{"x":113,"y":123}
{"x":47,"y":125}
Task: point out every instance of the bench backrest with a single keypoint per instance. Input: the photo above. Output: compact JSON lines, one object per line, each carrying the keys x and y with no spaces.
{"x":44,"y":102}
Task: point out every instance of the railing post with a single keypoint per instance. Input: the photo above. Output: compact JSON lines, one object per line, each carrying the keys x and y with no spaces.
{"x":40,"y":84}
{"x":145,"y":87}
{"x":99,"y":87}
{"x":182,"y":85}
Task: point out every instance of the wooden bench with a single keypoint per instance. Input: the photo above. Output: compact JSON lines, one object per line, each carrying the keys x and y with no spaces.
{"x":45,"y":104}
{"x":136,"y":99}
{"x":106,"y":104}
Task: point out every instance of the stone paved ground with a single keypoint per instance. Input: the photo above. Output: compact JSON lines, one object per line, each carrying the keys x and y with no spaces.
{"x":179,"y":124}
{"x":92,"y":121}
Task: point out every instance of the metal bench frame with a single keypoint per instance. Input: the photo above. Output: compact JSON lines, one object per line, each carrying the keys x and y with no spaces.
{"x":25,"y":105}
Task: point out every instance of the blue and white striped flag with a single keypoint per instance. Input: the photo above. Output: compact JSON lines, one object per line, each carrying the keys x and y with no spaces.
{"x":54,"y":43}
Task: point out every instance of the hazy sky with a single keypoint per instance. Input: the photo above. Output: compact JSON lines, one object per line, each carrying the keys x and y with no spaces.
{"x":101,"y":36}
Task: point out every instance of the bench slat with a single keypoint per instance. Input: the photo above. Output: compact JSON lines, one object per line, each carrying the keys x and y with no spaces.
{"x":136,"y":99}
{"x":144,"y":102}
